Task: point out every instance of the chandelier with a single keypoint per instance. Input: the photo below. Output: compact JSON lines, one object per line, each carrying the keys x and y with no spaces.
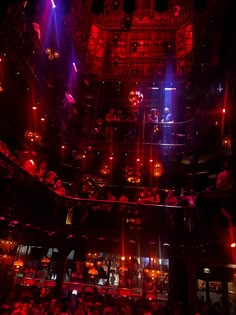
{"x":7,"y":245}
{"x":158,"y":169}
{"x":132,"y":175}
{"x":33,"y":136}
{"x":52,"y":54}
{"x":135,"y":98}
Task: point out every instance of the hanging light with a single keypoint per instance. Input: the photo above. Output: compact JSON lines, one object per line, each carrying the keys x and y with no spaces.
{"x":48,"y":51}
{"x":18,"y":263}
{"x":151,"y":273}
{"x":157,"y":169}
{"x":33,"y":136}
{"x":93,"y":272}
{"x":7,"y":245}
{"x":99,"y":263}
{"x":45,"y":261}
{"x":132,"y":175}
{"x":56,"y":55}
{"x":89,"y":264}
{"x":51,"y":57}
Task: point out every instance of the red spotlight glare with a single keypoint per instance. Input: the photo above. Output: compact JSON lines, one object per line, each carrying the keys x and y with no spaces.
{"x":63,"y":147}
{"x":138,"y":160}
{"x":151,"y":161}
{"x":233,"y":245}
{"x":83,"y":156}
{"x":0,"y":59}
{"x":223,"y":110}
{"x":111,"y":157}
{"x":42,"y":119}
{"x":34,"y":107}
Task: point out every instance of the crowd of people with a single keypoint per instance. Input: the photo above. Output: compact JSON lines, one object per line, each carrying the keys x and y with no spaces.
{"x":28,"y":161}
{"x":38,"y":168}
{"x":91,"y":303}
{"x":111,"y":127}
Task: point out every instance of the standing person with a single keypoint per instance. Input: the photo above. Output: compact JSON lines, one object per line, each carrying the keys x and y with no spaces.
{"x":153,"y":129}
{"x":167,"y":116}
{"x":166,"y":131}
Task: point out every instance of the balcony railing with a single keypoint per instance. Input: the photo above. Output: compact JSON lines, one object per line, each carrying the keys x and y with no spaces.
{"x":165,"y":134}
{"x":38,"y":205}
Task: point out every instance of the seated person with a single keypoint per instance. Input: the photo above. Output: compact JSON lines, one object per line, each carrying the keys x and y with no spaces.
{"x":148,"y":198}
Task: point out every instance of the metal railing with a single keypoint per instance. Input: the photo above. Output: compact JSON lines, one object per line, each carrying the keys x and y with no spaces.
{"x":176,"y":133}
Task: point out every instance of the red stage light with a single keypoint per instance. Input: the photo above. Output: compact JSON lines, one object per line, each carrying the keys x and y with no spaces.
{"x":223,"y":110}
{"x":34,"y":107}
{"x":233,"y":245}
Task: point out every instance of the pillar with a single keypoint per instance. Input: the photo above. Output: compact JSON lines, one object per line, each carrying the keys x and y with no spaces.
{"x":60,"y":271}
{"x":225,"y":296}
{"x":208,"y":298}
{"x":178,"y":283}
{"x":192,"y":286}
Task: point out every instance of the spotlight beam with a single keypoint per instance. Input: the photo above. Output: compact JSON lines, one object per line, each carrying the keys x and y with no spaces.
{"x":53,"y":4}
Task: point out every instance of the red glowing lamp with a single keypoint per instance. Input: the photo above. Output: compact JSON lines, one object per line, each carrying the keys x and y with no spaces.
{"x":45,"y":261}
{"x":18,"y":264}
